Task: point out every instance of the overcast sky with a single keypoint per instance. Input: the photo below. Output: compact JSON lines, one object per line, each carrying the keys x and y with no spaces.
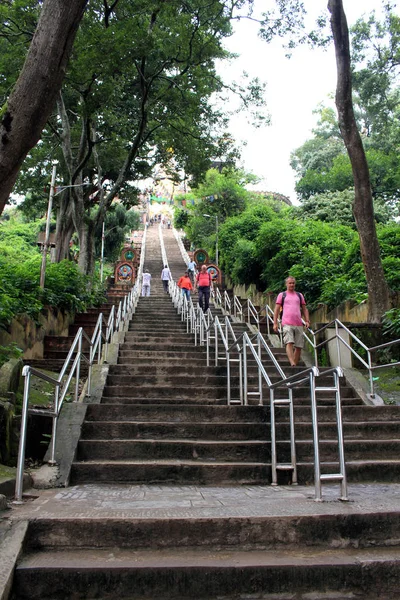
{"x":295,"y":87}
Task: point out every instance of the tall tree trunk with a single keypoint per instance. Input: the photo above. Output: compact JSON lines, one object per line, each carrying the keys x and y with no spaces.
{"x":64,"y":227}
{"x":39,"y":82}
{"x":86,"y":260}
{"x":363,"y":210}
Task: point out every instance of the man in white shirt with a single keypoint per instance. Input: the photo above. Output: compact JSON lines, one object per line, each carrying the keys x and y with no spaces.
{"x":192,"y":266}
{"x":146,"y":279}
{"x":166,"y":277}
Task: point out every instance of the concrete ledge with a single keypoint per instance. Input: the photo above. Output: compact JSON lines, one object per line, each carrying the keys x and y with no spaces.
{"x":12,"y":536}
{"x":7,"y":486}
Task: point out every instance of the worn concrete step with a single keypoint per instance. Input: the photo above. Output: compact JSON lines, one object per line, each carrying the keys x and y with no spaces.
{"x":184,"y":391}
{"x":159,"y":338}
{"x":223,"y":430}
{"x":102,"y":430}
{"x":231,"y":451}
{"x":330,"y":530}
{"x":358,"y":471}
{"x":176,"y":413}
{"x":201,"y":574}
{"x":161,"y":358}
{"x":152,"y":399}
{"x":175,"y":472}
{"x":155,"y":328}
{"x":209,"y":376}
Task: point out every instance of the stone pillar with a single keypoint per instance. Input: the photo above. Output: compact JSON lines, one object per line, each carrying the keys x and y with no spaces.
{"x":345,"y":353}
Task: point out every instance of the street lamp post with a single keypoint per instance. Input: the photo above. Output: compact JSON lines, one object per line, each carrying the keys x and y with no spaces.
{"x":216,"y":236}
{"x":47,"y":233}
{"x":103,"y":237}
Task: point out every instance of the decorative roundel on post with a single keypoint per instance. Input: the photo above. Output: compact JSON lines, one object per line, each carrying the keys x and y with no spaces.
{"x":124,"y":273}
{"x":215,"y":273}
{"x":128,"y":254}
{"x":200,"y":256}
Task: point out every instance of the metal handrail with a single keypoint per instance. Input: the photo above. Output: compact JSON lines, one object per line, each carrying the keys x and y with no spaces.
{"x":200,"y":322}
{"x":95,"y":347}
{"x":341,"y":476}
{"x":252,"y":313}
{"x":237,"y":308}
{"x":182,"y":248}
{"x":27,"y":372}
{"x":227,"y":302}
{"x":340,"y":340}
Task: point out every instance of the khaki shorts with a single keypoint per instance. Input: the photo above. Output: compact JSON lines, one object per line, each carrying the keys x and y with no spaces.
{"x":293,"y":334}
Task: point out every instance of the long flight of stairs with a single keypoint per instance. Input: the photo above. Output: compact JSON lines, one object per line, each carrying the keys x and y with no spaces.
{"x":163,"y":420}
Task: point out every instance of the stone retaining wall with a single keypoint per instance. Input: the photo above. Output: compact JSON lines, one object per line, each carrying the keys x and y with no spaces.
{"x":29,"y":335}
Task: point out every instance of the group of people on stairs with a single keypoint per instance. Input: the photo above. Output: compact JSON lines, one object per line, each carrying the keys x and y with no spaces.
{"x":187,"y":283}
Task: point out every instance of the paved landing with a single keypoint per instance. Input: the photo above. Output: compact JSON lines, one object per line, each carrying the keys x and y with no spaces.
{"x":174,"y":502}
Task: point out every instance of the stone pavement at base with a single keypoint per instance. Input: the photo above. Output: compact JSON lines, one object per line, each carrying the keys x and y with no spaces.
{"x":174,"y":502}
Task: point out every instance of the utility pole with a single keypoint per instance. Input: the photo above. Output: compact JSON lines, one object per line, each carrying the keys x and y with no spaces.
{"x":216,"y":240}
{"x":47,"y":233}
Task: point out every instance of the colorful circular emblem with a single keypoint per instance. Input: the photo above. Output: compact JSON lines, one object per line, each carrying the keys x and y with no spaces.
{"x":213,"y":272}
{"x":124,"y":273}
{"x":200,"y":256}
{"x":129,"y":255}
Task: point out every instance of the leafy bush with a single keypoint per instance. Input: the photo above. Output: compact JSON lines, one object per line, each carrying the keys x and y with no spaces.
{"x":391,"y":323}
{"x":20,"y":263}
{"x":8,"y":352}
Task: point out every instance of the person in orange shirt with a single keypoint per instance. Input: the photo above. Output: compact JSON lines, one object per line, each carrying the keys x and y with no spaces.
{"x":186,"y":285}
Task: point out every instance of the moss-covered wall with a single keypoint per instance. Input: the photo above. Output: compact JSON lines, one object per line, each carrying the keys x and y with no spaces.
{"x":29,"y":335}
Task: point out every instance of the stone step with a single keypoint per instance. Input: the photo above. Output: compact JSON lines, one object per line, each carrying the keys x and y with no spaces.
{"x":201,"y":574}
{"x":353,"y":529}
{"x":171,"y":472}
{"x":230,"y":450}
{"x":209,"y":376}
{"x":174,"y":413}
{"x":223,"y":430}
{"x":185,"y":391}
{"x":216,"y":473}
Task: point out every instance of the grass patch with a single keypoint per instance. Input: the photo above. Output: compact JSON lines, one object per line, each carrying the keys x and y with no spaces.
{"x":387,"y":384}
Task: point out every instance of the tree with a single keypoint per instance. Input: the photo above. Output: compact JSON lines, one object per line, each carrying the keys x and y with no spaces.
{"x":137,"y":93}
{"x":378,"y":290}
{"x":336,"y":207}
{"x":32,"y":99}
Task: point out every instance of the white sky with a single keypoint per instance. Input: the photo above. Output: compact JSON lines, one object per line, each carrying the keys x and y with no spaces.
{"x":295,"y":87}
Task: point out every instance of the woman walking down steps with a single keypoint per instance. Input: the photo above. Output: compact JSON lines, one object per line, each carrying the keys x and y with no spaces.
{"x":167,"y":475}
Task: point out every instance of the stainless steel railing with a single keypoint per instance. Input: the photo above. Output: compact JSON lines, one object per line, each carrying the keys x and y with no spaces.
{"x":236,"y":349}
{"x":62,"y":383}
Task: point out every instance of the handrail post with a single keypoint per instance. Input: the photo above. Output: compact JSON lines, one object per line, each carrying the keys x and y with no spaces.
{"x":52,"y":460}
{"x":317,"y":466}
{"x":274,"y":475}
{"x":245,"y":399}
{"x":371,"y":379}
{"x":26,"y":372}
{"x":339,"y":421}
{"x":228,"y":374}
{"x":216,"y":344}
{"x":77,"y":374}
{"x":338,"y":345}
{"x":260,"y":379}
{"x":241,"y":378}
{"x":315,"y":349}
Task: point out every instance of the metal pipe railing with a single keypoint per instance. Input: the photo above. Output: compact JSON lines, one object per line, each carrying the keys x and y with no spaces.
{"x":61,"y":386}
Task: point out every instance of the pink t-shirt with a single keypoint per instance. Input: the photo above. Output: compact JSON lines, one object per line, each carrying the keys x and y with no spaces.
{"x":291,"y":308}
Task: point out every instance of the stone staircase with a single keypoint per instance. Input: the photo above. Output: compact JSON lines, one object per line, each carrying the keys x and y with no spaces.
{"x":163,"y":421}
{"x":56,"y":347}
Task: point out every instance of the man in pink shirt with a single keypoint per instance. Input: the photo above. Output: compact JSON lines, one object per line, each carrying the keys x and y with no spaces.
{"x":293,"y":308}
